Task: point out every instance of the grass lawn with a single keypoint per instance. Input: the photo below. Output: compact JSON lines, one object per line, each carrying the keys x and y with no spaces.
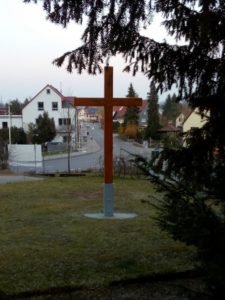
{"x":46,"y":242}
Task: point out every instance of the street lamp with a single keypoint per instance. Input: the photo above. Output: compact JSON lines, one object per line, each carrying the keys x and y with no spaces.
{"x":10,"y":125}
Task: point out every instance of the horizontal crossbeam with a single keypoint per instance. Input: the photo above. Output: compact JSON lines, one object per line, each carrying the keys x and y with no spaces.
{"x":103,"y":102}
{"x":89,"y":101}
{"x":127,"y":101}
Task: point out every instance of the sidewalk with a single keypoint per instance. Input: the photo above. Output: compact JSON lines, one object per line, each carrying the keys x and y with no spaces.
{"x":17,"y":178}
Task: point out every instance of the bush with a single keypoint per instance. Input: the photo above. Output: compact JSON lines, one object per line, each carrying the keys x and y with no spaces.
{"x":131,"y":131}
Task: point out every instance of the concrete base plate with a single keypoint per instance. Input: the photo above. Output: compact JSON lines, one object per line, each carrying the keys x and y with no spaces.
{"x":116,"y":216}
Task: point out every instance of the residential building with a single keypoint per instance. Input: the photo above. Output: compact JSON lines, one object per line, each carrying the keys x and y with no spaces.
{"x":58,"y":107}
{"x":194,"y":120}
{"x":7,"y":121}
{"x":118,"y":113}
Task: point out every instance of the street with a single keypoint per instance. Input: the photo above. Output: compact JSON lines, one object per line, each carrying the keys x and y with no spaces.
{"x":82,"y":161}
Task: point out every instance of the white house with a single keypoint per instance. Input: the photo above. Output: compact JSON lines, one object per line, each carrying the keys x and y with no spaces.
{"x":58,"y":107}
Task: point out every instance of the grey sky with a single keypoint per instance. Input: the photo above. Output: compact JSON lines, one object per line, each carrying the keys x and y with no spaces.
{"x":29,"y":44}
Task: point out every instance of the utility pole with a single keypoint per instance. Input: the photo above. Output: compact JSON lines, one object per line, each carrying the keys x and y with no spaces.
{"x":10,"y":139}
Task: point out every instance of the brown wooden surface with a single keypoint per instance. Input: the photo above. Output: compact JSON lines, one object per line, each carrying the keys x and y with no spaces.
{"x":108,"y":123}
{"x":108,"y":102}
{"x":89,"y":101}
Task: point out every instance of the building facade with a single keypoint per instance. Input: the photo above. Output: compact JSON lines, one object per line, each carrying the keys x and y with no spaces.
{"x":58,"y":107}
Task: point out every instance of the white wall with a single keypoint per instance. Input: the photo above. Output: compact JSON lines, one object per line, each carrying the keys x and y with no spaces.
{"x":25,"y":155}
{"x":15,"y":120}
{"x":31,"y":112}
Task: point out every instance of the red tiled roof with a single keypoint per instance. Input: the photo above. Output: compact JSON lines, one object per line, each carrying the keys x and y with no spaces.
{"x":118,"y":111}
{"x":3,"y":111}
{"x":169,"y":128}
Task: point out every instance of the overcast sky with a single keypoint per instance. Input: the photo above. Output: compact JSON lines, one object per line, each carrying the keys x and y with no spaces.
{"x":29,"y":44}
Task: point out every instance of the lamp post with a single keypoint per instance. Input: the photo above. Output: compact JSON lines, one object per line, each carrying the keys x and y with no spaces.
{"x":10,"y":121}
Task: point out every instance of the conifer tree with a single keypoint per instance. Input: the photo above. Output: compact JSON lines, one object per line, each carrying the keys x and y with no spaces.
{"x":131,"y":115}
{"x":171,"y":109}
{"x":153,"y":113}
{"x":44,"y":130}
{"x":15,"y":107}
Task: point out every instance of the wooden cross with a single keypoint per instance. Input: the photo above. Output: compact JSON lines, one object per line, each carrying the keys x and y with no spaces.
{"x":108,"y":102}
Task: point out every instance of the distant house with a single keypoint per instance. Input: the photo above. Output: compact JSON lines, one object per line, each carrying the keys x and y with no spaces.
{"x":58,"y":107}
{"x":82,"y":113}
{"x":7,"y":121}
{"x":49,"y":100}
{"x":194,"y":120}
{"x":118,"y":113}
{"x":3,"y":110}
{"x":90,"y":114}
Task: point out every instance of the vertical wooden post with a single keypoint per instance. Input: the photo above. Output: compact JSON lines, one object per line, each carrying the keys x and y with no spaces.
{"x":108,"y":144}
{"x":108,"y":127}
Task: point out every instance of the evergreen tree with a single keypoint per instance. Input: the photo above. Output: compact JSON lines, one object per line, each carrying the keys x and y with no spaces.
{"x":171,"y":109}
{"x":131,"y":115}
{"x":18,"y":135}
{"x":197,"y":68}
{"x":43,"y":131}
{"x":25,"y":102}
{"x":153,"y":113}
{"x":15,"y":107}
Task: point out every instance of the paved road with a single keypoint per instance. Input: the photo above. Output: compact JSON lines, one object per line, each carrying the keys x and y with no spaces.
{"x":91,"y":156}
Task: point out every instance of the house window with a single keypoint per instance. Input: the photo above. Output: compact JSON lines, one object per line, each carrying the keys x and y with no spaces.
{"x":4,"y":124}
{"x":64,"y":121}
{"x":54,"y":105}
{"x":48,"y":91}
{"x":40,"y":105}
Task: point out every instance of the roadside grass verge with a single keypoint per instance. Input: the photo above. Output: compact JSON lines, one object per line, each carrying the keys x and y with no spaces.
{"x":46,"y":242}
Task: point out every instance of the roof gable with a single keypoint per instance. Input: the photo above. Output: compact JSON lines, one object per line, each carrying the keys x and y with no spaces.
{"x":47,"y":86}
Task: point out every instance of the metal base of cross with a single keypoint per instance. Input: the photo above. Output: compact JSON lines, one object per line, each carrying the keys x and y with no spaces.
{"x":108,"y":200}
{"x":108,"y":205}
{"x":116,"y":216}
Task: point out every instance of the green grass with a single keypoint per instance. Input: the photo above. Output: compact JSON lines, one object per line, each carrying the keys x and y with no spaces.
{"x":47,"y":242}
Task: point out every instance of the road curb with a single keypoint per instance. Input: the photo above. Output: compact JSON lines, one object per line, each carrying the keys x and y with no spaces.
{"x":92,"y":147}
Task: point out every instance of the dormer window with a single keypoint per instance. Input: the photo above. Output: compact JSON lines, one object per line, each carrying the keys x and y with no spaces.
{"x":48,"y":91}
